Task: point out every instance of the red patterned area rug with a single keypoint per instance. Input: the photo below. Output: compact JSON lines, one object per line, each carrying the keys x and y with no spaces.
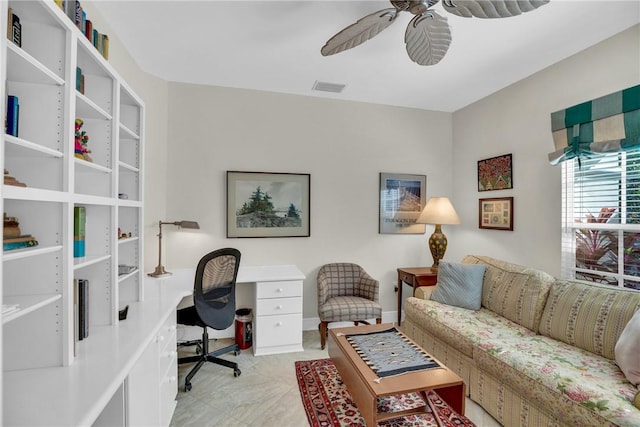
{"x":328,"y":403}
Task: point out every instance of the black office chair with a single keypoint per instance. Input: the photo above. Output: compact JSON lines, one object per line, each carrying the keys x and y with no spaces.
{"x":214,"y":297}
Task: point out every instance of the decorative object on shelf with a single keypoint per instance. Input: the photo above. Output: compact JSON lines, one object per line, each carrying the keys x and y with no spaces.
{"x":428,"y":36}
{"x":12,"y":237}
{"x":81,"y":141}
{"x":438,"y":211}
{"x":10,"y":180}
{"x":264,"y":204}
{"x":160,"y":271}
{"x":79,"y":229}
{"x":495,"y":173}
{"x":125,"y":269}
{"x":123,"y":235}
{"x":82,"y":297}
{"x":13,"y":116}
{"x":496,"y":213}
{"x":402,"y":197}
{"x":11,"y":227}
{"x":123,"y":196}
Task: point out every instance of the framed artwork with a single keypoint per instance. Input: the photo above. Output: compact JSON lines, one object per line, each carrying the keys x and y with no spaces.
{"x":402,"y":198}
{"x":496,"y":213}
{"x":265,"y":204}
{"x":495,"y":173}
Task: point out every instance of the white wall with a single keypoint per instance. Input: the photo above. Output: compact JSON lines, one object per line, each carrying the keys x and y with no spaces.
{"x":517,"y":120}
{"x":343,"y":145}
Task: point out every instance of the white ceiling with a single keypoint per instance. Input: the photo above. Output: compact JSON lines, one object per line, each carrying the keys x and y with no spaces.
{"x":275,"y":46}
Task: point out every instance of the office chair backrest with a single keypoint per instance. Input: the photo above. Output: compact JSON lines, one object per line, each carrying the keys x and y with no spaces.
{"x":215,"y":287}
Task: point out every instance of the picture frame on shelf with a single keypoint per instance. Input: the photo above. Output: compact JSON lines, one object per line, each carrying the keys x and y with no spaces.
{"x":402,"y":198}
{"x":496,"y":213}
{"x":495,"y":173}
{"x":268,"y":204}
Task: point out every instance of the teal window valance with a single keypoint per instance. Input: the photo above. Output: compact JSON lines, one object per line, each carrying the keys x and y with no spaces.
{"x":604,"y":125}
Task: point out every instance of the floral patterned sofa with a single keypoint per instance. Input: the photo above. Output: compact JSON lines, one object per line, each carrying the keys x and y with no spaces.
{"x":539,"y":351}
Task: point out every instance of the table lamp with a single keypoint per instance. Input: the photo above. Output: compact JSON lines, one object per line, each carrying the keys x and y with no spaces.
{"x":160,"y":271}
{"x":438,"y":211}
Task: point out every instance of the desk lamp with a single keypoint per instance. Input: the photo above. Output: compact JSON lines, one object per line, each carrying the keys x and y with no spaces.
{"x":438,"y":211}
{"x":160,"y":271}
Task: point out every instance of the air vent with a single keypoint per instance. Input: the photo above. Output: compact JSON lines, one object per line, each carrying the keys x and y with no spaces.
{"x":328,"y":87}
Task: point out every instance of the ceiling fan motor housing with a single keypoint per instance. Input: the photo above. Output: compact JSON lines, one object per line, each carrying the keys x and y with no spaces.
{"x":415,"y":7}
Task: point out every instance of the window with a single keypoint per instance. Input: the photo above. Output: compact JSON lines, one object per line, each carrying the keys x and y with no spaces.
{"x":601,"y":219}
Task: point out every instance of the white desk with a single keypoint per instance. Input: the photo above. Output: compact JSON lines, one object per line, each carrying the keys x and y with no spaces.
{"x":277,"y":310}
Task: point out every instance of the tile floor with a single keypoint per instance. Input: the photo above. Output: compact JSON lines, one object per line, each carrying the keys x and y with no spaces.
{"x":265,"y":394}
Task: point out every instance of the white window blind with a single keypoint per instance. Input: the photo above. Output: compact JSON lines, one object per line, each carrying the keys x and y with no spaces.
{"x":601,"y":219}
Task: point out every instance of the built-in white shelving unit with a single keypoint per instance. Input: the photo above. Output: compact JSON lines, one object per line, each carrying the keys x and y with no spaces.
{"x":42,"y":333}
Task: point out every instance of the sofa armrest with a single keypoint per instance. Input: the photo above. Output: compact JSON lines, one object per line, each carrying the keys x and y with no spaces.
{"x":424,"y":292}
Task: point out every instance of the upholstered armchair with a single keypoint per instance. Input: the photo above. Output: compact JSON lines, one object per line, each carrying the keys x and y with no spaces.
{"x":346,"y":293}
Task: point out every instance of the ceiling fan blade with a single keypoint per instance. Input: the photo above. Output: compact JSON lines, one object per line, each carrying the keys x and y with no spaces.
{"x":491,"y":8}
{"x":427,"y":38}
{"x":358,"y":33}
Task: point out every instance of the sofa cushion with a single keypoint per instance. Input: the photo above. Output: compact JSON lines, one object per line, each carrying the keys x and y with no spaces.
{"x":627,"y":350}
{"x":513,"y":291}
{"x":574,"y":385}
{"x":587,"y":315}
{"x":459,"y":327}
{"x":459,"y":285}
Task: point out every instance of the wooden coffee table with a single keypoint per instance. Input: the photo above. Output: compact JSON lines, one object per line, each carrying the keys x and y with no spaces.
{"x":360,"y":379}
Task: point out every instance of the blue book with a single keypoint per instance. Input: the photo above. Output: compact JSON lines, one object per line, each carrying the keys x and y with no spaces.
{"x":13,"y":112}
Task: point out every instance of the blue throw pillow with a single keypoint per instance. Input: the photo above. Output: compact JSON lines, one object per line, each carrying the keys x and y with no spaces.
{"x":459,"y":285}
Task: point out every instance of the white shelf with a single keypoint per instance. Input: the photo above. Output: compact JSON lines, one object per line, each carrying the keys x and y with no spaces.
{"x":126,"y":240}
{"x":89,"y":260}
{"x":123,"y":277}
{"x":29,"y":252}
{"x":26,"y":69}
{"x":12,"y":192}
{"x":87,"y":109}
{"x":20,"y":147}
{"x":128,"y":134}
{"x":85,"y":166}
{"x":128,"y":168}
{"x":27,"y":304}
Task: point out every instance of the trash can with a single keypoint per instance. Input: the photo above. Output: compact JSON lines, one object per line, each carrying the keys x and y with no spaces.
{"x":244,"y":331}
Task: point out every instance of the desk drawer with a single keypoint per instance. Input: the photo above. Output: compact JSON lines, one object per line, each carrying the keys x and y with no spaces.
{"x":406,"y":278}
{"x":292,"y":288}
{"x":278,"y":330}
{"x":271,"y":306}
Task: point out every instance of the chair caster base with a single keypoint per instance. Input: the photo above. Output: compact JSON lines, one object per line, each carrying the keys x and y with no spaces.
{"x":236,"y":372}
{"x":187,"y":386}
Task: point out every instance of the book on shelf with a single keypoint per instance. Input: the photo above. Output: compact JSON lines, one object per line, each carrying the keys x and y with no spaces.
{"x":88,"y":30}
{"x":82,"y":290}
{"x":60,"y":4}
{"x":13,"y":115}
{"x":79,"y":225}
{"x":9,"y":23}
{"x":16,"y":30}
{"x":79,"y":80}
{"x":10,"y":246}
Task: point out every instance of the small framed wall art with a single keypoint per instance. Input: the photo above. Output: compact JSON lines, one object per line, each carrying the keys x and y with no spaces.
{"x":495,"y":173}
{"x":496,"y":213}
{"x":402,"y":198}
{"x":265,"y":204}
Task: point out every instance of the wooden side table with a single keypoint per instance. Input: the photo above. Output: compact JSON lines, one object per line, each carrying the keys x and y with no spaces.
{"x":415,"y":277}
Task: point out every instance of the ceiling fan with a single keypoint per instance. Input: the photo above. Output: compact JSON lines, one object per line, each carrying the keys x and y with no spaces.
{"x":428,"y":35}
